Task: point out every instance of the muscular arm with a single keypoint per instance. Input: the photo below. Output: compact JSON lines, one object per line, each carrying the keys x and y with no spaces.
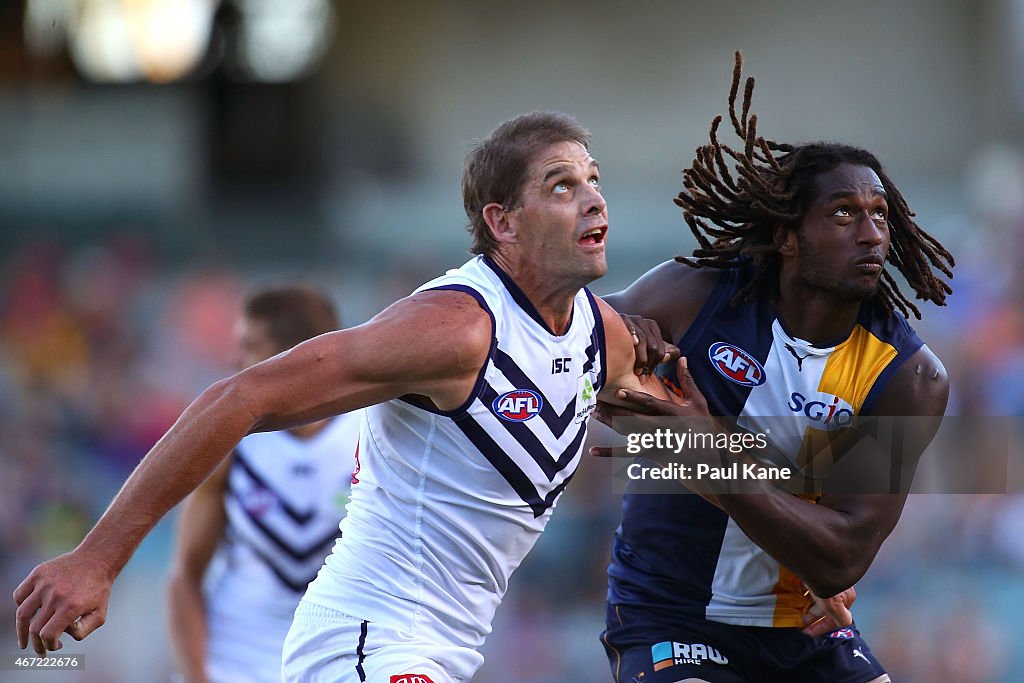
{"x":331,"y":374}
{"x":831,"y":544}
{"x":200,"y":528}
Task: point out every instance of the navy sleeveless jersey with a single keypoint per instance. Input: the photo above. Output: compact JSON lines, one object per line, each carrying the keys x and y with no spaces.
{"x":679,"y":552}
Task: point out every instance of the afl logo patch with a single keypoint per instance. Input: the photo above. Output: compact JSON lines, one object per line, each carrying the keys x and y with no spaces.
{"x":736,"y":365}
{"x":258,"y":501}
{"x":518,"y":405}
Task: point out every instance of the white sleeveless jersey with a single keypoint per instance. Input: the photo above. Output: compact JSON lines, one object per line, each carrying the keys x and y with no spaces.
{"x":445,"y":505}
{"x":285,"y":496}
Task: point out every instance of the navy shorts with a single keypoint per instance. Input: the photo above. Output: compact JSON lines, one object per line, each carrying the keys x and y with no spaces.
{"x":645,"y":647}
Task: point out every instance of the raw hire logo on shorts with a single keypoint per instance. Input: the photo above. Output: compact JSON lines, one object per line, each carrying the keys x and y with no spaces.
{"x":670,"y":653}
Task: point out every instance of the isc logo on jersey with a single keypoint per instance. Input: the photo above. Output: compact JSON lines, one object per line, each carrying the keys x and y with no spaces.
{"x":736,"y":365}
{"x":518,"y":405}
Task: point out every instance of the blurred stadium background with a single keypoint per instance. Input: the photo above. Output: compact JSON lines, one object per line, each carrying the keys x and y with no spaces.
{"x":158,"y":157}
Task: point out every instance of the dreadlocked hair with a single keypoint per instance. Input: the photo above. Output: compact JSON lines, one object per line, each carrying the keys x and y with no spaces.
{"x":733,"y":200}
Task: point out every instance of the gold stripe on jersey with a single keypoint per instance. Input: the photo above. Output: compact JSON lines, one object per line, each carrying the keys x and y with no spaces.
{"x":854,"y":365}
{"x":791,"y":598}
{"x":850,"y":372}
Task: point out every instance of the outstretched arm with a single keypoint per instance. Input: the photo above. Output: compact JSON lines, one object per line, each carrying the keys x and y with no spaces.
{"x":330,"y":374}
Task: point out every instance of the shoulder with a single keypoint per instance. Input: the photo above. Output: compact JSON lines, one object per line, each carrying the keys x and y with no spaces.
{"x":919,"y":387}
{"x":445,"y":322}
{"x":671,"y":294}
{"x":427,"y":335}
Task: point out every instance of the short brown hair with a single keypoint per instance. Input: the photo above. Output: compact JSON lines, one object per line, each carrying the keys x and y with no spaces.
{"x":496,"y":167}
{"x":293,"y":313}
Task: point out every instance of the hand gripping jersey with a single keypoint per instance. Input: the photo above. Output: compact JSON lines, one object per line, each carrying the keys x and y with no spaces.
{"x":680,"y":552}
{"x":447,"y":504}
{"x":285,"y":496}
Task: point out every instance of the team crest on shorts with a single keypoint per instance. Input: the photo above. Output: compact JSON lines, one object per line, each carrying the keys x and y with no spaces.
{"x":411,"y":678}
{"x":518,"y":405}
{"x":843,"y":633}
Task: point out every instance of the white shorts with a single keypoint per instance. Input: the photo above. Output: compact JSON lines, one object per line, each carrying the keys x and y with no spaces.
{"x":326,"y":645}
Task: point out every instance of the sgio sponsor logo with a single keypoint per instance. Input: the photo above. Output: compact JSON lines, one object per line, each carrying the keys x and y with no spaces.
{"x":829,"y":410}
{"x":669,"y":653}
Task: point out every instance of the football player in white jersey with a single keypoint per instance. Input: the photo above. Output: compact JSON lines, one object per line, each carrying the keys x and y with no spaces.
{"x":269,"y":514}
{"x":532,"y":195}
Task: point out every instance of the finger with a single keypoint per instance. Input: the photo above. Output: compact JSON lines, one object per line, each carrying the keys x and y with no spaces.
{"x":641,"y":364}
{"x":655,"y":345}
{"x":38,"y":621}
{"x":57,"y":624}
{"x":639,"y":401}
{"x":836,"y":609}
{"x":684,"y":376}
{"x":632,"y":330}
{"x":672,"y":353}
{"x":28,"y":605}
{"x":85,"y":625}
{"x":607,"y":416}
{"x":25,"y":588}
{"x":687,"y":384}
{"x":843,"y":617}
{"x":610,"y":410}
{"x":813,"y":614}
{"x":609,"y":452}
{"x":820,"y":627}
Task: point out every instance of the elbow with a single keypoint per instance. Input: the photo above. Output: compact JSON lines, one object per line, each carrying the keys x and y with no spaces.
{"x":184,"y":587}
{"x":236,"y":397}
{"x":182,"y":580}
{"x":179,"y":586}
{"x":834,"y":577}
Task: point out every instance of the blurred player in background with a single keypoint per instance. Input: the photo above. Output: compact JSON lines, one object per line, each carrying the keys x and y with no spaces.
{"x":481,"y":384}
{"x":785,"y":307}
{"x":267,"y":515}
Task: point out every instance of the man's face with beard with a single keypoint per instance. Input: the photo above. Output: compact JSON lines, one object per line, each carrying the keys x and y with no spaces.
{"x":843,"y":239}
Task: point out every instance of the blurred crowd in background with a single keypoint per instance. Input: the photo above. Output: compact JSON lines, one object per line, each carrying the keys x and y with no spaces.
{"x":103,"y":345}
{"x":109,"y":327}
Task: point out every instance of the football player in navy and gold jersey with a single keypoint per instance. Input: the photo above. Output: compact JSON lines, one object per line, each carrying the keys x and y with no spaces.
{"x":786,"y":308}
